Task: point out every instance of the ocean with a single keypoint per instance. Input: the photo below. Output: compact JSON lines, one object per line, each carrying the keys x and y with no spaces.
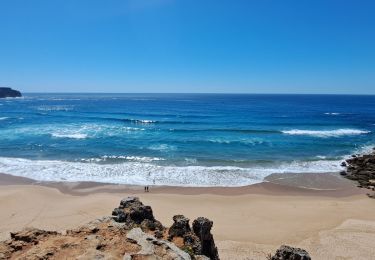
{"x":181,"y":139}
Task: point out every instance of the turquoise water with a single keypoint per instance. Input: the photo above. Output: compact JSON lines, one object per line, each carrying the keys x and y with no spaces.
{"x":180,"y":139}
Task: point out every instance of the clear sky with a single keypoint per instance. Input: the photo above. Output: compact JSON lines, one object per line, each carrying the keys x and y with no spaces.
{"x":246,"y":46}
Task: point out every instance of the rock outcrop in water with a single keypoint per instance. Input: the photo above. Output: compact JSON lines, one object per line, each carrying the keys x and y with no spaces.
{"x":132,"y":232}
{"x":8,"y":92}
{"x":361,"y":168}
{"x":290,"y":253}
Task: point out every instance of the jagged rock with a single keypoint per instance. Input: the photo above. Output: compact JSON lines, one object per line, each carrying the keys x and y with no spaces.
{"x":158,"y":234}
{"x":132,"y":212}
{"x":290,"y":253}
{"x":147,"y":242}
{"x":8,"y":92}
{"x":202,"y":229}
{"x":193,"y":242}
{"x":180,"y":226}
{"x":131,"y":232}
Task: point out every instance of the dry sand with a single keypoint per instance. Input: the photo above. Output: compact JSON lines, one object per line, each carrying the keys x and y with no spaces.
{"x":323,"y":213}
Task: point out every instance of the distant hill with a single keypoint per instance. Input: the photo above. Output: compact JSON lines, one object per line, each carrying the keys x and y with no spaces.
{"x":8,"y":92}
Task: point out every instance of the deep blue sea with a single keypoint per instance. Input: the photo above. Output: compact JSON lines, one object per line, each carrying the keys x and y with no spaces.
{"x":180,"y":139}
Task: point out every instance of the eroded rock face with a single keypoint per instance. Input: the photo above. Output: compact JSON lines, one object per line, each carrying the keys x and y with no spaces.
{"x":131,"y":232}
{"x":290,"y":253}
{"x":150,"y":245}
{"x":202,"y":229}
{"x":30,"y":235}
{"x":8,"y":92}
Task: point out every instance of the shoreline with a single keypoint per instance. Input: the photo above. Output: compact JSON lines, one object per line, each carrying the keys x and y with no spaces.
{"x":304,"y":184}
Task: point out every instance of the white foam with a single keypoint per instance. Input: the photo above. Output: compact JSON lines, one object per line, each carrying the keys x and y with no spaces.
{"x":140,"y":173}
{"x":55,"y":108}
{"x":252,"y":141}
{"x":74,"y":131}
{"x":146,"y":121}
{"x":72,"y":136}
{"x":14,"y":97}
{"x":162,"y":147}
{"x":326,"y":133}
{"x":367,"y":149}
{"x":106,"y":158}
{"x":332,"y":114}
{"x":4,"y":118}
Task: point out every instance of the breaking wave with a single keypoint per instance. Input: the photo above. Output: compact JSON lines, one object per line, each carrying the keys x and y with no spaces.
{"x":138,"y":172}
{"x":55,"y":108}
{"x":72,"y":136}
{"x":326,"y":133}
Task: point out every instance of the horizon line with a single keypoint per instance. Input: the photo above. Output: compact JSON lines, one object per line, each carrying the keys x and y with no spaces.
{"x":204,"y":93}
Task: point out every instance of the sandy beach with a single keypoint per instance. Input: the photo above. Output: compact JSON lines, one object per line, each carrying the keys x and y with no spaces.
{"x":334,"y":221}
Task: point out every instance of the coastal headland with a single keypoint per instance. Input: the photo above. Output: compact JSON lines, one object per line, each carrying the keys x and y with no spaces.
{"x":9,"y":92}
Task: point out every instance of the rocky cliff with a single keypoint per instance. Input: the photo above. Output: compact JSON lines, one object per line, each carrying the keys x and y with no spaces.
{"x":8,"y":92}
{"x":132,"y":232}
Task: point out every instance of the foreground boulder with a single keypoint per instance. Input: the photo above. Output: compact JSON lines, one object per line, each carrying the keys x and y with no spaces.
{"x":8,"y":92}
{"x":132,"y":232}
{"x":290,"y":253}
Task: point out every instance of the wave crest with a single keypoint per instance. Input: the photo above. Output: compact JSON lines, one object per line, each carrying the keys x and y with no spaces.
{"x":326,"y":133}
{"x":71,"y":136}
{"x":332,"y":113}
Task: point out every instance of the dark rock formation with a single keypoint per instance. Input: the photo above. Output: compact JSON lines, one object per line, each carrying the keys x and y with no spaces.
{"x":131,"y":232}
{"x":132,"y":212}
{"x":192,"y":242}
{"x":361,"y":168}
{"x":202,"y":229}
{"x":198,"y":240}
{"x":8,"y":92}
{"x":180,"y":226}
{"x":290,"y":253}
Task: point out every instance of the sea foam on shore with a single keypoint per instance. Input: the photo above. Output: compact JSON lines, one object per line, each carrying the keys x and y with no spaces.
{"x":139,"y":173}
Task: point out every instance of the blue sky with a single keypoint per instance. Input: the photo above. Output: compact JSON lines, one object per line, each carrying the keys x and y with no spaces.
{"x":249,"y":46}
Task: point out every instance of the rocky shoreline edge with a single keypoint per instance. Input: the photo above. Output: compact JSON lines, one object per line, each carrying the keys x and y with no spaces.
{"x":361,"y":168}
{"x":131,"y":232}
